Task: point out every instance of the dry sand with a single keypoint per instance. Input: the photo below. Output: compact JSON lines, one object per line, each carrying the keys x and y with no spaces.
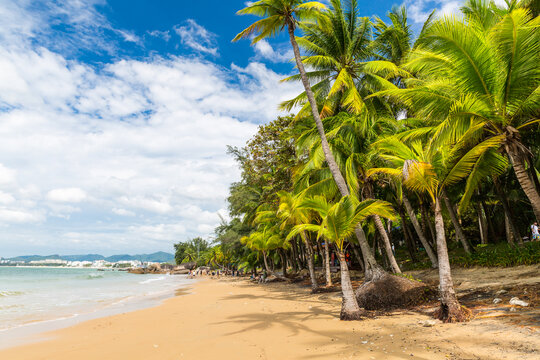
{"x":236,"y":319}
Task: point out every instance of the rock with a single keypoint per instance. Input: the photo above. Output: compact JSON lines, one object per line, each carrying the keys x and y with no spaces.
{"x":516,"y":301}
{"x":429,"y":323}
{"x":497,"y":300}
{"x":180,"y":272}
{"x":501,"y":292}
{"x":513,"y":309}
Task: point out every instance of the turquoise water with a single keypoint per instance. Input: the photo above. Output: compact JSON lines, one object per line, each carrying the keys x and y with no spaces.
{"x":30,"y":294}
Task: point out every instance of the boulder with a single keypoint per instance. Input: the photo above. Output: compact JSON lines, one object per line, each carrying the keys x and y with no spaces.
{"x":497,"y":300}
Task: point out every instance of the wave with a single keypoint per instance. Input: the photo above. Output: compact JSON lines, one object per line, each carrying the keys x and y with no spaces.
{"x":152,"y":280}
{"x":7,"y":293}
{"x":94,"y":276}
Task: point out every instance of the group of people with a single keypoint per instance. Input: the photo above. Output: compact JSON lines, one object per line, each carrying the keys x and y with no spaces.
{"x":209,"y":272}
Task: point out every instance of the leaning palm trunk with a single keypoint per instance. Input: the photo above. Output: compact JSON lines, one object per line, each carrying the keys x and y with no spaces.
{"x":450,"y":310}
{"x":349,"y":306}
{"x":327,"y":264}
{"x":267,"y":268}
{"x":387,"y":246}
{"x":459,"y":231}
{"x":421,"y":236}
{"x":527,"y":184}
{"x":372,"y":270}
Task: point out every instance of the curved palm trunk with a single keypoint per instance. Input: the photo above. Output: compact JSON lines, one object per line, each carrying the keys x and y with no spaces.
{"x":450,"y":310}
{"x":349,"y":305}
{"x":387,"y":246}
{"x":527,"y":184}
{"x":327,"y":264}
{"x":459,"y":231}
{"x":372,"y":270}
{"x":421,"y":236}
{"x":266,"y":263}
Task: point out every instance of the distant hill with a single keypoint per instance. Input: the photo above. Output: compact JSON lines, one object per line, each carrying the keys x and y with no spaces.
{"x":159,"y":256}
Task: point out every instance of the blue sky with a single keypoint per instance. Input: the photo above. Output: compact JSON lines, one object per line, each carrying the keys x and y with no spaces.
{"x":115,"y":116}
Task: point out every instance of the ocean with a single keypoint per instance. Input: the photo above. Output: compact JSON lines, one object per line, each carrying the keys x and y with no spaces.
{"x":34,"y":299}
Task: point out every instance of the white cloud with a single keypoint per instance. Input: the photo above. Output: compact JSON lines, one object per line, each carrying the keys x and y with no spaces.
{"x":67,"y":195}
{"x":165,"y":35}
{"x":265,"y":51}
{"x":126,"y":157}
{"x":197,"y":37}
{"x":419,"y":10}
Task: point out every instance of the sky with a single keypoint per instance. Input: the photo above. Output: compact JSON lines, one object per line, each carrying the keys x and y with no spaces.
{"x":115,"y":116}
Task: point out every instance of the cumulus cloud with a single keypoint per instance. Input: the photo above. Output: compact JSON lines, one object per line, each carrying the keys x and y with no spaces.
{"x":197,"y":37}
{"x":265,"y":51}
{"x":128,"y":156}
{"x":67,"y":195}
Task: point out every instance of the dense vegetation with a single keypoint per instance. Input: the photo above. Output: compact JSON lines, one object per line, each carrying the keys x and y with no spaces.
{"x":401,"y":148}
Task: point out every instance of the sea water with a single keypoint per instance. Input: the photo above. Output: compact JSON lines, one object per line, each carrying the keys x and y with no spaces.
{"x":37,"y":295}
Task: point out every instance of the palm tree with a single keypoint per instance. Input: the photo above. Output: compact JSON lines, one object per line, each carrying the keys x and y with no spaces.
{"x":480,"y":76}
{"x":338,"y":223}
{"x":429,"y":168}
{"x":350,"y":137}
{"x":291,"y":213}
{"x":335,"y":45}
{"x":279,"y":14}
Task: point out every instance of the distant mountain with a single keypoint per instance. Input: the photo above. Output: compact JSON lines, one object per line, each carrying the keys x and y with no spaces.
{"x":159,"y":256}
{"x":87,"y":257}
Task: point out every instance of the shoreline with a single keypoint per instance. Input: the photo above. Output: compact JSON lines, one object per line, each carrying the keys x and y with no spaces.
{"x":36,"y":331}
{"x":236,"y":319}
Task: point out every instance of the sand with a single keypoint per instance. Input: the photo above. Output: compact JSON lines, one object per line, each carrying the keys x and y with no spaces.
{"x":237,"y":319}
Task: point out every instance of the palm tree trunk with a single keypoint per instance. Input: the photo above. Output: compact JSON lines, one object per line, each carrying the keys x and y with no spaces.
{"x":450,"y":310}
{"x":459,"y":231}
{"x":527,"y":184}
{"x":482,"y":224}
{"x":327,"y":264}
{"x":423,"y":240}
{"x":283,"y":262}
{"x":349,"y":305}
{"x":372,"y":270}
{"x":358,"y":257}
{"x":266,"y":263}
{"x":311,"y":267}
{"x":427,"y":225}
{"x":508,"y":230}
{"x":407,"y":235}
{"x":294,"y":251}
{"x":386,"y":243}
{"x":509,"y":214}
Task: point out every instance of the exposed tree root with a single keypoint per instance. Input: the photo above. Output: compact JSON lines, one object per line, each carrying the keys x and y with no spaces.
{"x":453,"y":313}
{"x":391,"y":292}
{"x":352,"y":315}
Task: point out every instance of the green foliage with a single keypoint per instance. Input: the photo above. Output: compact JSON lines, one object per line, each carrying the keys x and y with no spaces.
{"x":501,"y":255}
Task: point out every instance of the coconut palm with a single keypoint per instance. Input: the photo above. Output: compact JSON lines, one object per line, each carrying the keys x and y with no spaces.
{"x":338,"y":223}
{"x":480,"y":78}
{"x":429,"y":168}
{"x":280,"y":14}
{"x":291,"y":213}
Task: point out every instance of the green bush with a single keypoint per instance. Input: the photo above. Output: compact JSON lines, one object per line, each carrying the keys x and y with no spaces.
{"x":500,"y":255}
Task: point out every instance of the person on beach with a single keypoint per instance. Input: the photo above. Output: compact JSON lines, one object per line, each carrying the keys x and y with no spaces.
{"x":535,"y":233}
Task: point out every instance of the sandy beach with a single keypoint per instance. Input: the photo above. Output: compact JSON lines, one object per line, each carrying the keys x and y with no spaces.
{"x":237,"y":319}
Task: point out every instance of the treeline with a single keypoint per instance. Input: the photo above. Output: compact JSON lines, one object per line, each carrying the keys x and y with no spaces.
{"x":402,"y":148}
